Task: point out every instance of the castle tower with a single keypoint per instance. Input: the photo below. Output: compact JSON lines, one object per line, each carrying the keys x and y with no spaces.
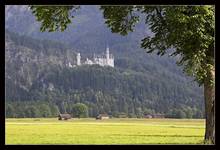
{"x":78,"y":57}
{"x":107,"y":53}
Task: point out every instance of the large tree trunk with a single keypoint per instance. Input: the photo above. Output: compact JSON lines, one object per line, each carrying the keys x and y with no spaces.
{"x":209,"y":93}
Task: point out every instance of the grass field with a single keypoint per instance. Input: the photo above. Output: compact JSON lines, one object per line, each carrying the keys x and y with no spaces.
{"x":112,"y":131}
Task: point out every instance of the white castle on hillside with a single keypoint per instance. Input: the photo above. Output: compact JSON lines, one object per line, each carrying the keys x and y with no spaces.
{"x":102,"y":60}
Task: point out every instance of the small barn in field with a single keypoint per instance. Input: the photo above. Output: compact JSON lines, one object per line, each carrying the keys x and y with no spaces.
{"x":154,"y":116}
{"x":64,"y":116}
{"x":158,"y":116}
{"x":148,"y":116}
{"x":102,"y":116}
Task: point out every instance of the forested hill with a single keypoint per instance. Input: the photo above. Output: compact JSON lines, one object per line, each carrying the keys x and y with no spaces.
{"x":38,"y":80}
{"x":39,"y":83}
{"x":26,"y":59}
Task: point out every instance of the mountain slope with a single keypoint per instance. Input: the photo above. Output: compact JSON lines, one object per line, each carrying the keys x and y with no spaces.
{"x":37,"y":71}
{"x":36,"y":75}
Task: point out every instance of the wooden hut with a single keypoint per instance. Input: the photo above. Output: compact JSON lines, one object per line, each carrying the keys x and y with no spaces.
{"x":158,"y":116}
{"x":148,"y":116}
{"x":154,"y":116}
{"x":102,"y":116}
{"x":64,"y":116}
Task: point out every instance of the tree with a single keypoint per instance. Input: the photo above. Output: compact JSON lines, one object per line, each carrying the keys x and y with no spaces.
{"x":169,"y":114}
{"x":189,"y":112}
{"x":139,"y":112}
{"x":31,"y":112}
{"x":10,"y":111}
{"x":54,"y":110}
{"x":148,"y":111}
{"x":186,"y":31}
{"x":178,"y":113}
{"x":19,"y":111}
{"x":45,"y":110}
{"x":80,"y":110}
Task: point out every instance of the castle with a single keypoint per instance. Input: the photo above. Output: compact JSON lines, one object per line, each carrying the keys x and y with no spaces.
{"x":102,"y":60}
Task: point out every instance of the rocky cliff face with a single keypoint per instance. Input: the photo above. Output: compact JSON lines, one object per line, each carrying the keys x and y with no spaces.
{"x":25,"y":62}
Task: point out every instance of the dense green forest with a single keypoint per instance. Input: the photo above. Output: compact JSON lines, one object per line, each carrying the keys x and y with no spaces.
{"x":40,"y":84}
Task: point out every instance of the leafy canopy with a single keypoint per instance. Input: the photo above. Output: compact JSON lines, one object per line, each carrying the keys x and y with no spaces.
{"x":54,"y":18}
{"x":188,"y":30}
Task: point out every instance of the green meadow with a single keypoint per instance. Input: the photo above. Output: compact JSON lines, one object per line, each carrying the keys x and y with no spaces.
{"x":112,"y":131}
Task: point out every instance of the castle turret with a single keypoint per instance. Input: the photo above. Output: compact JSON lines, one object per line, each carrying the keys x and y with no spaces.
{"x":78,"y":57}
{"x":107,"y":53}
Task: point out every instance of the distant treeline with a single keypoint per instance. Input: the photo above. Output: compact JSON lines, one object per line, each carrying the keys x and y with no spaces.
{"x":104,"y":90}
{"x":42,"y":109}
